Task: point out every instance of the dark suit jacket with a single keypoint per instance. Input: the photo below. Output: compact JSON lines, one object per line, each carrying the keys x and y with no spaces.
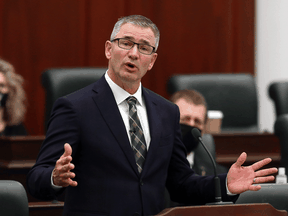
{"x":108,"y":180}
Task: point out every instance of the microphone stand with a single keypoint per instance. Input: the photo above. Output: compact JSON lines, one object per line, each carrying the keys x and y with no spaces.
{"x":218,"y":198}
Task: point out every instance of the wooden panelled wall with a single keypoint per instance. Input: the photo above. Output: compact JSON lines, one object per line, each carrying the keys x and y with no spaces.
{"x":204,"y":36}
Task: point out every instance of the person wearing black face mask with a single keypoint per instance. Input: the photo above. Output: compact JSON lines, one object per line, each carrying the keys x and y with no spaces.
{"x":193,"y":113}
{"x":12,"y":101}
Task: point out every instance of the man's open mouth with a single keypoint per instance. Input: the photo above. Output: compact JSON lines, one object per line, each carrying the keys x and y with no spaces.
{"x":130,"y":65}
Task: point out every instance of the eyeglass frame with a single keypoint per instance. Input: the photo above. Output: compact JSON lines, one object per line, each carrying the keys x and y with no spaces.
{"x":138,"y":44}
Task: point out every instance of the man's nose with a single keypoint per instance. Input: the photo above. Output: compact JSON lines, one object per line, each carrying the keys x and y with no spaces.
{"x":191,"y":123}
{"x":134,"y":52}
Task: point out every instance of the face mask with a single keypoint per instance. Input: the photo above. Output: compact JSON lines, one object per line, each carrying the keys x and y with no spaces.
{"x":3,"y":99}
{"x":188,"y":139}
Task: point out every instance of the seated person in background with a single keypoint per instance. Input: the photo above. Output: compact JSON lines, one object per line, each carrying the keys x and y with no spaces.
{"x":193,"y":112}
{"x":12,"y":101}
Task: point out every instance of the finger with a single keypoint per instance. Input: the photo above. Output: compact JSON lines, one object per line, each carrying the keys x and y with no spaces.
{"x":69,"y":181}
{"x":73,"y":183}
{"x":67,"y":167}
{"x":64,"y":179}
{"x":67,"y":175}
{"x":241,"y":159}
{"x":63,"y":160}
{"x":266,"y":172}
{"x":254,"y":187}
{"x":259,"y":180}
{"x":67,"y":150}
{"x":62,"y":183}
{"x":261,"y":163}
{"x":65,"y":182}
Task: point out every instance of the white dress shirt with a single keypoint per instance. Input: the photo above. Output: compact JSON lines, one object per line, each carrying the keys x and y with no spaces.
{"x":120,"y":96}
{"x":190,"y":158}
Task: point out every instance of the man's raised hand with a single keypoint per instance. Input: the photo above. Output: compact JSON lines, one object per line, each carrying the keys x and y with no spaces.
{"x":62,"y":175}
{"x":242,"y":178}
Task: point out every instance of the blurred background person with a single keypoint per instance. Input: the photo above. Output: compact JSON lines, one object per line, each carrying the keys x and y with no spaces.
{"x":193,"y":113}
{"x":12,"y":101}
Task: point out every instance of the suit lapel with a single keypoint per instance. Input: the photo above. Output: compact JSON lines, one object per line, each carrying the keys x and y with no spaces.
{"x":106,"y":103}
{"x":154,"y":126}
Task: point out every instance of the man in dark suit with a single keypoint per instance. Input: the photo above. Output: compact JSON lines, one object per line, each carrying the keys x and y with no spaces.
{"x":125,"y":150}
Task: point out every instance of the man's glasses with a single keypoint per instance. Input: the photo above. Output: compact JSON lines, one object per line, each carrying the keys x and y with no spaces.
{"x":128,"y":44}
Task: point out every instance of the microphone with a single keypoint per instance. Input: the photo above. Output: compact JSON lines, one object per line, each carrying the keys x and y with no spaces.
{"x":218,"y":198}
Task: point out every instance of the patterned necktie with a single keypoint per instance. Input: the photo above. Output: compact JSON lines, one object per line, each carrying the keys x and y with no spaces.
{"x":136,"y":133}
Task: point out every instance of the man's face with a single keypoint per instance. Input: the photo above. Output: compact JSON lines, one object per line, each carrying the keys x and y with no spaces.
{"x":129,"y":66}
{"x":191,"y":114}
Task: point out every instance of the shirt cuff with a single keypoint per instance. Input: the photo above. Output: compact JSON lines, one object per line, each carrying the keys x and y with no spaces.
{"x":228,"y":192}
{"x":55,"y":187}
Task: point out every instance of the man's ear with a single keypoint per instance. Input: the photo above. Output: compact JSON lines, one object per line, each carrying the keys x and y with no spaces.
{"x":108,"y":47}
{"x":153,"y":59}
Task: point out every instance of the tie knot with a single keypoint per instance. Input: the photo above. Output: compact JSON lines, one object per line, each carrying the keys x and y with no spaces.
{"x":131,"y":100}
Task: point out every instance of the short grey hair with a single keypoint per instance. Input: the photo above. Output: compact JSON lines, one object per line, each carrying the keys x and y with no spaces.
{"x":138,"y":20}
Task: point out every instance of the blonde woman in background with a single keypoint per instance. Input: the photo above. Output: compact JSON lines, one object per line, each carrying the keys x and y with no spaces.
{"x":12,"y":101}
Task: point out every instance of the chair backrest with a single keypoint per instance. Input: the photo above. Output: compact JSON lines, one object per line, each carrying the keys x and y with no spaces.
{"x":234,"y":94}
{"x":274,"y":194}
{"x":13,"y":199}
{"x":281,"y":131}
{"x":59,"y":82}
{"x":278,"y":92}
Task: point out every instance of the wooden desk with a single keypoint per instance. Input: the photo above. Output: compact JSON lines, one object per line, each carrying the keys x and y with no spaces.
{"x":19,"y":151}
{"x":257,"y":146}
{"x":46,"y":208}
{"x":56,"y":209}
{"x":17,"y":156}
{"x":258,"y":209}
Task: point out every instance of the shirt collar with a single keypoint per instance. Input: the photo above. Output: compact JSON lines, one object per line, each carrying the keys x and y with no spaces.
{"x":120,"y":94}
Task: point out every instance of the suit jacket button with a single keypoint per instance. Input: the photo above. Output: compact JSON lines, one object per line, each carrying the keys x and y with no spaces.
{"x":141,"y":183}
{"x":136,"y":214}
